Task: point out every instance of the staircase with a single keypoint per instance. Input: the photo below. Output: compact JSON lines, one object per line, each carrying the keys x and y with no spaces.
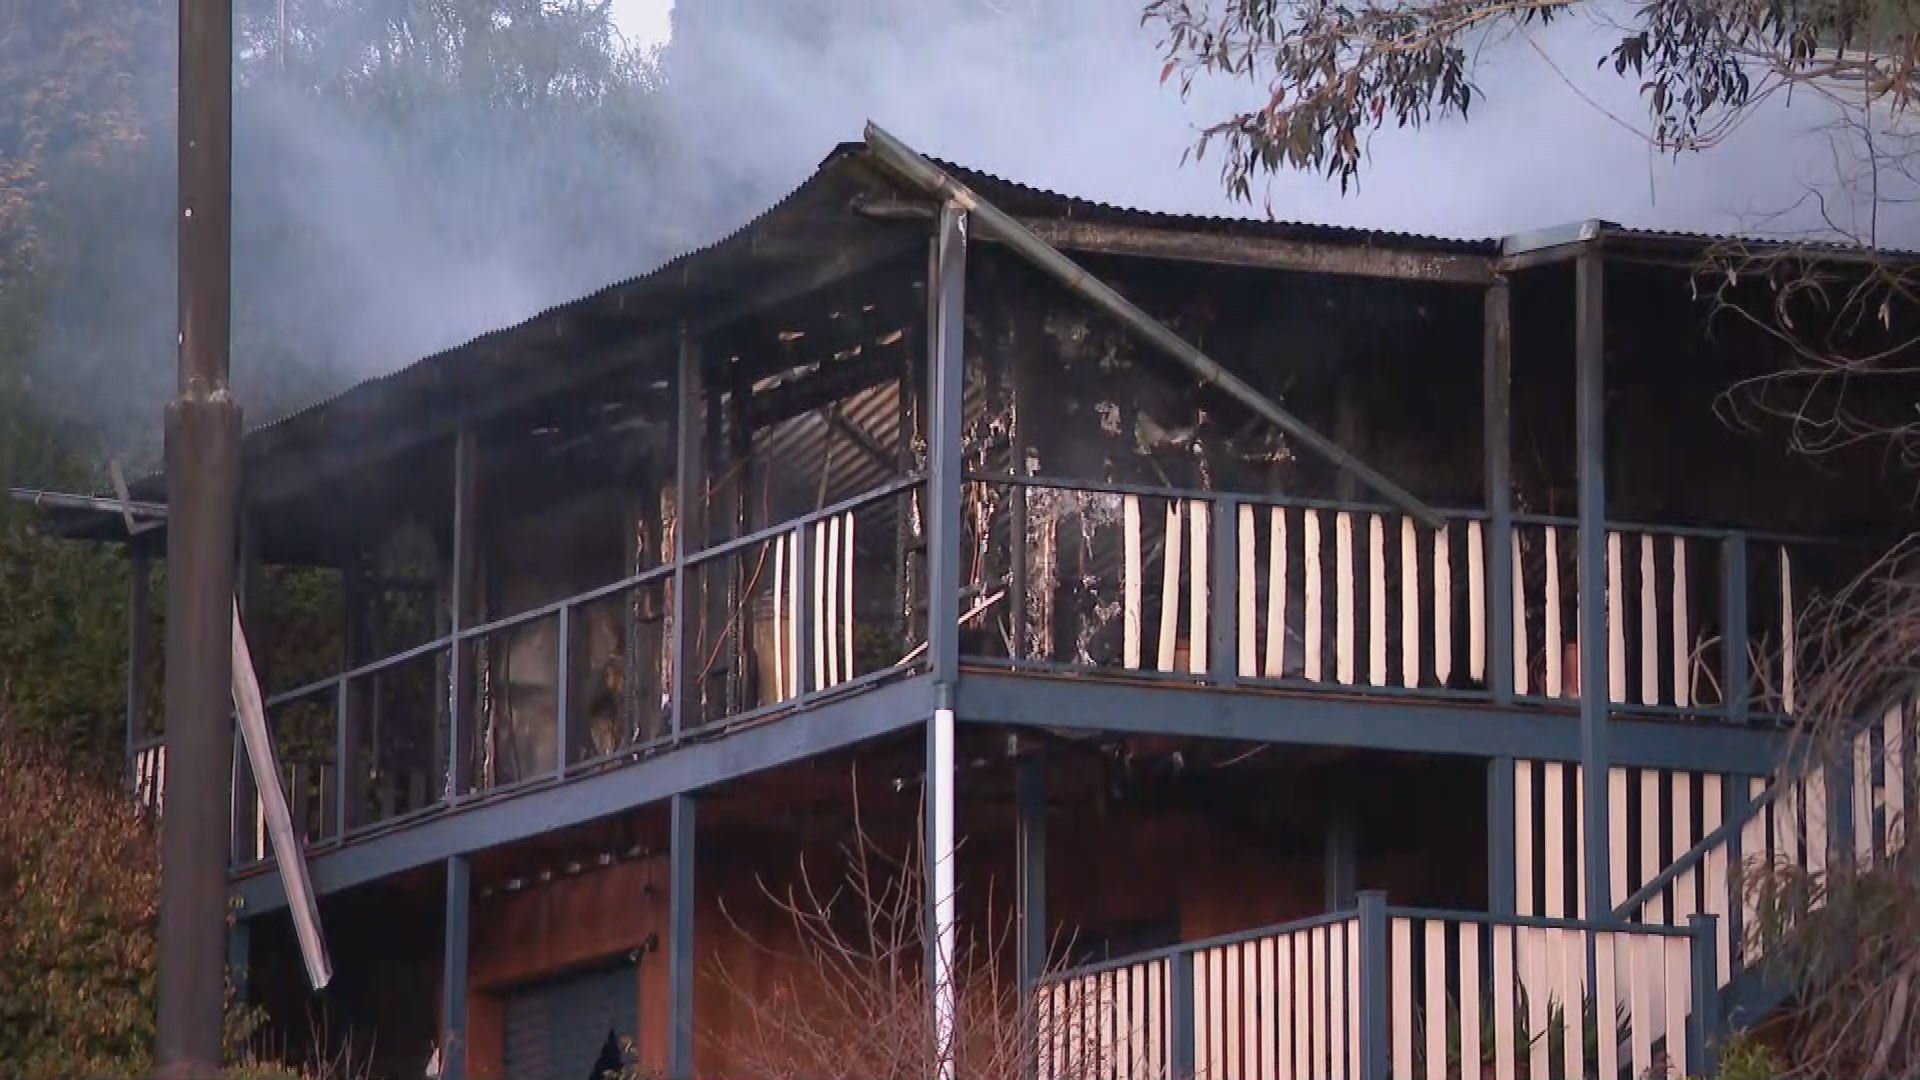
{"x":1854,"y":808}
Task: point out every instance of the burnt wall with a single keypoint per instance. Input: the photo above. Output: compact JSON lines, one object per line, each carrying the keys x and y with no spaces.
{"x":1131,"y":865}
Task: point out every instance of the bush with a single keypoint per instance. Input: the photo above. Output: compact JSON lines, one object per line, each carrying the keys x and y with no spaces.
{"x":79,"y":889}
{"x":79,"y":911}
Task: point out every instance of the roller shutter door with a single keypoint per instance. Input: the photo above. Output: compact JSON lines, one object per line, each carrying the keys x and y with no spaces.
{"x":555,"y":1028}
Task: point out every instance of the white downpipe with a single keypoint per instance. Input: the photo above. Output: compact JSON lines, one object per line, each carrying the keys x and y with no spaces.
{"x":940,"y":799}
{"x":288,"y":854}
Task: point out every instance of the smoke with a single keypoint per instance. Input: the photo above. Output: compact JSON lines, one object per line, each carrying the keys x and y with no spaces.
{"x":367,"y":235}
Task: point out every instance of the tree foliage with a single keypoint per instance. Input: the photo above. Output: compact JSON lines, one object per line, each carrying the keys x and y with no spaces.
{"x":1335,"y":72}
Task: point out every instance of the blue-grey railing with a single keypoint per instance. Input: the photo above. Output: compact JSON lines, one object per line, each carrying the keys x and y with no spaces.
{"x":1383,"y":992}
{"x":1364,"y":598}
{"x":450,"y":774}
{"x":1839,"y":804}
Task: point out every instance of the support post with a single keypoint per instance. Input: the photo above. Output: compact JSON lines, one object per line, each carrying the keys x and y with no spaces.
{"x":1375,"y":1050}
{"x":1017,"y":505}
{"x":453,"y":977}
{"x":239,"y":955}
{"x":1733,"y":650}
{"x":947,"y":286}
{"x":1703,"y":1040}
{"x":1032,"y":841}
{"x":1498,"y":427}
{"x":686,"y":529}
{"x":1595,"y":706}
{"x":563,"y":687}
{"x":680,"y":853}
{"x":341,"y":757}
{"x":463,"y":728}
{"x":1180,"y":1004}
{"x":1502,"y":885}
{"x":1738,"y":804}
{"x":1343,"y":855}
{"x":202,"y":473}
{"x":139,"y":579}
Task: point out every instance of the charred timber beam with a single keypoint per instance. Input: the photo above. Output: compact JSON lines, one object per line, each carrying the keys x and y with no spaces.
{"x":861,"y":441}
{"x":829,"y":381}
{"x":284,"y":472}
{"x":1219,"y":249}
{"x":937,"y":183}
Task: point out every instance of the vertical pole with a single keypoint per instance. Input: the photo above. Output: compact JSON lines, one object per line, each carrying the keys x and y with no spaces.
{"x":1738,"y":805}
{"x":1733,"y":650}
{"x":1498,"y":423}
{"x":680,"y":850}
{"x":1502,"y":885}
{"x":139,"y":580}
{"x":1223,"y":609}
{"x":1180,"y":1004}
{"x":341,"y":752}
{"x":1701,"y":1044}
{"x":740,"y":482}
{"x":239,"y":956}
{"x":353,"y":775}
{"x":1343,"y":854}
{"x":1590,"y":425}
{"x":1375,"y":1050}
{"x":463,"y":729}
{"x":563,"y":688}
{"x":1017,"y":498}
{"x":1032,"y":841}
{"x":948,"y":288}
{"x":202,"y":470}
{"x":453,"y":979}
{"x":686,"y":531}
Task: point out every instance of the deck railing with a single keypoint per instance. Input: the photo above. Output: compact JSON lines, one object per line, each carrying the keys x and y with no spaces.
{"x":1237,"y":588}
{"x":1385,"y":992}
{"x":526,"y":699}
{"x":1853,"y":808}
{"x":1226,"y":589}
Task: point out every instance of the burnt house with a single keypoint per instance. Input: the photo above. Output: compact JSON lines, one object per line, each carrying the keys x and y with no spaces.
{"x":1238,"y":609}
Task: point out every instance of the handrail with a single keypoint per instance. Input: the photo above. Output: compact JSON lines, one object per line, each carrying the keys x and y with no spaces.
{"x":549,"y":610}
{"x":1530,"y":922}
{"x":1166,"y":952}
{"x":1250,"y":498}
{"x":1697,"y":854}
{"x":1108,"y":487}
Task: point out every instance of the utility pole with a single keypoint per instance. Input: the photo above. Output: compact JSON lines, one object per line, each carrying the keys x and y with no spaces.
{"x":202,"y":470}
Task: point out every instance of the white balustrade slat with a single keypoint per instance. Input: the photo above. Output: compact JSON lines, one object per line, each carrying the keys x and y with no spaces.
{"x":1442,"y":607}
{"x":1200,"y":521}
{"x":1410,"y":605}
{"x":1249,"y":588}
{"x":1343,"y":606}
{"x":1131,"y":583}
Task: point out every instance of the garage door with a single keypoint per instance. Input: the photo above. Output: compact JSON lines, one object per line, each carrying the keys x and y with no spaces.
{"x":556,"y":1028}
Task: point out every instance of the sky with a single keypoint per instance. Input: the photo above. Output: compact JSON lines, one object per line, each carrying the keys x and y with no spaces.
{"x":644,"y":22}
{"x":1552,"y":140}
